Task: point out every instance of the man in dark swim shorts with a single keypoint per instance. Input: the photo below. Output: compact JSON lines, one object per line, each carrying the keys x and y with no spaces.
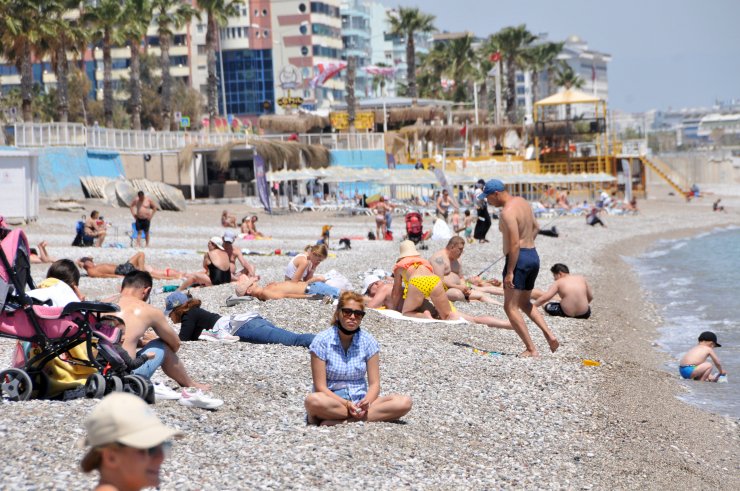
{"x":519,"y":229}
{"x":555,"y":310}
{"x":572,"y":292}
{"x":124,"y":269}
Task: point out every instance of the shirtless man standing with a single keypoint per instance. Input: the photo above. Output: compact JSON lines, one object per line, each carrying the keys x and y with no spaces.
{"x":446,"y":265}
{"x":143,"y":209}
{"x":519,"y":229}
{"x":139,"y":316}
{"x":574,"y":292}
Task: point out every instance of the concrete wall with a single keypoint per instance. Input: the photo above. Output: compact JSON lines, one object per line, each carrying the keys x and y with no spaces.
{"x":60,"y":169}
{"x":161,"y":167}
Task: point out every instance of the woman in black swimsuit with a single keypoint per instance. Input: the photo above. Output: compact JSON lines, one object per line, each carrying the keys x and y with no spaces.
{"x":216,"y":275}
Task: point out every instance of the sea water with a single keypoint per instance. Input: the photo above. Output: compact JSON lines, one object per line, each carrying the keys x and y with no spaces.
{"x":695,"y":283}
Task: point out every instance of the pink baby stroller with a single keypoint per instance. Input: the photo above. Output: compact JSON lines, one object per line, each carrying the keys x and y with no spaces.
{"x":415,"y":228}
{"x":49,"y":332}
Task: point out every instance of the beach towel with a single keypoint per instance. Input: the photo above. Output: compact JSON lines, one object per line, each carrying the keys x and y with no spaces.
{"x":394,"y":314}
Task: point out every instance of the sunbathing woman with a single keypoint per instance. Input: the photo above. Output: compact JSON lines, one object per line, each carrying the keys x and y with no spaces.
{"x":414,"y":281}
{"x":284,"y":289}
{"x":249,"y":226}
{"x":39,"y":254}
{"x":341,"y":393}
{"x":197,"y":323}
{"x":303,"y":266}
{"x":228,"y":220}
{"x":216,"y":262}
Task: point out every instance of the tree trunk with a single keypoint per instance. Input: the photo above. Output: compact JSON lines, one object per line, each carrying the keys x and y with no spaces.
{"x":535,"y":85}
{"x":351,"y":74}
{"x":164,"y":45}
{"x":135,"y":87}
{"x":411,"y":65}
{"x":511,"y":91}
{"x":107,"y":81}
{"x":81,"y":66}
{"x":211,"y":34}
{"x":62,"y":74}
{"x":26,"y":70}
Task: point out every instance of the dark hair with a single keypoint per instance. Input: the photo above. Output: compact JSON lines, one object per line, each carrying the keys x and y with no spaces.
{"x":94,"y":214}
{"x":467,"y":213}
{"x":137,"y":279}
{"x":343,"y":299}
{"x":33,"y":250}
{"x":64,"y":270}
{"x":140,"y":194}
{"x":180,"y":310}
{"x":559,"y":268}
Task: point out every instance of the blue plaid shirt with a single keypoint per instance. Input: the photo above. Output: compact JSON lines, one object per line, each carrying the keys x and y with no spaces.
{"x":345,"y":370}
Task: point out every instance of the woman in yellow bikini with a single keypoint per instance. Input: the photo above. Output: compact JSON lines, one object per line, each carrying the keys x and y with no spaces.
{"x":414,"y":282}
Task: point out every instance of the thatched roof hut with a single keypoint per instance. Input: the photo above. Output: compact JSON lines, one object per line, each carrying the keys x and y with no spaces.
{"x":278,"y":154}
{"x":293,"y":123}
{"x":448,"y":135}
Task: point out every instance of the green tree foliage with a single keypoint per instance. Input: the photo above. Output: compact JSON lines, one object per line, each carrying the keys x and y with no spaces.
{"x":405,"y":23}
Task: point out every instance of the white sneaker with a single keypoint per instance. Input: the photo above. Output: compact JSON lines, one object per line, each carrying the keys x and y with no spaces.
{"x":164,"y":393}
{"x":219,"y":336}
{"x":193,"y":397}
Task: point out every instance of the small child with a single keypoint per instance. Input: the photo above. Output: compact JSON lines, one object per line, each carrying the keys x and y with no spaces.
{"x":469,"y":221}
{"x":131,"y":363}
{"x":325,"y":232}
{"x":694,"y":364}
{"x":456,"y":228}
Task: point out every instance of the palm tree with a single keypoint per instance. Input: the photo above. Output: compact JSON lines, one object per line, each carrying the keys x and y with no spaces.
{"x":103,"y":20}
{"x":137,"y":15}
{"x":567,"y":78}
{"x":461,"y":60}
{"x":65,"y":35}
{"x":350,"y":88}
{"x":513,"y":43}
{"x":407,"y":22}
{"x":21,"y":28}
{"x":541,"y":57}
{"x":432,"y":67}
{"x":218,"y":12}
{"x":169,"y":15}
{"x":379,"y":81}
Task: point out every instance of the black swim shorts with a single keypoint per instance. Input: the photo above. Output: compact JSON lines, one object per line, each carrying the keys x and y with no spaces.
{"x":526,"y":270}
{"x":142,"y":225}
{"x":554,"y":309}
{"x":124,"y":269}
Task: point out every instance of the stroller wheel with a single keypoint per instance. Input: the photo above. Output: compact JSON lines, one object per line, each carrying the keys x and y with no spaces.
{"x":149,"y":397}
{"x":40,"y":384}
{"x":134,"y":385}
{"x":15,"y":385}
{"x":115,"y":384}
{"x":95,"y":386}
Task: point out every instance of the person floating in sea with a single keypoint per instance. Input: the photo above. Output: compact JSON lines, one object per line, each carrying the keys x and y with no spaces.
{"x":694,"y":364}
{"x":573,"y":291}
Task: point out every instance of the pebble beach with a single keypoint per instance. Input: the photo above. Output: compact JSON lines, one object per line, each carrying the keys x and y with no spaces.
{"x":479,"y":420}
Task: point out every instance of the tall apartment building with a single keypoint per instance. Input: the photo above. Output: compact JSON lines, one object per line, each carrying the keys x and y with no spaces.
{"x":306,"y":35}
{"x":356,"y":39}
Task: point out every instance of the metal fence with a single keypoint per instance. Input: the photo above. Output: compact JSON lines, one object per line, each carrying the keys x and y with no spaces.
{"x":75,"y":134}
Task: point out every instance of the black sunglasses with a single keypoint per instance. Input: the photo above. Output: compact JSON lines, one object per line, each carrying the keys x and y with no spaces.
{"x":349,"y":312}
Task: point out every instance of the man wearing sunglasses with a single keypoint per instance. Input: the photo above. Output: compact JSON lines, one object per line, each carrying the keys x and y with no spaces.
{"x":128,"y":443}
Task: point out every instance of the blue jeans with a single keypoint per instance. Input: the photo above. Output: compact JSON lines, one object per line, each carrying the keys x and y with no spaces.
{"x":155,"y":346}
{"x":262,"y":331}
{"x":321,"y":288}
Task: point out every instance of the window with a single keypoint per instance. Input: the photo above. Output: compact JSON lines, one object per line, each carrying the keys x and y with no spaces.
{"x":304,"y":50}
{"x":257,"y":34}
{"x":201,"y":49}
{"x":520,"y":90}
{"x":264,"y":12}
{"x":302,"y":8}
{"x":201,"y":28}
{"x":266,"y":33}
{"x":520,"y":77}
{"x":256,"y":13}
{"x":303,"y":29}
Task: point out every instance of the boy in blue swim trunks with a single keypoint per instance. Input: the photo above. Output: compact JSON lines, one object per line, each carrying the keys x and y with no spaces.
{"x":519,"y":229}
{"x":694,"y":364}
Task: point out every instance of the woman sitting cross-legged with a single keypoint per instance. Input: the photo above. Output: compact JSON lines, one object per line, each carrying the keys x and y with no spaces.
{"x":341,"y":357}
{"x":198,"y":323}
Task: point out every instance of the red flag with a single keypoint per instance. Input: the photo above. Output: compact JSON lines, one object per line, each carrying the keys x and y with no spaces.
{"x":495,"y":57}
{"x":464,"y":129}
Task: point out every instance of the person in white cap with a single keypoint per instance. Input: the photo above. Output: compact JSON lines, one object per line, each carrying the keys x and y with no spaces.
{"x":128,"y":443}
{"x":235,"y":254}
{"x":216,"y":262}
{"x":377,"y":292}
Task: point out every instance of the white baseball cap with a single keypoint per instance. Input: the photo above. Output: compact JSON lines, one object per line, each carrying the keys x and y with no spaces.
{"x":368,"y":282}
{"x":217,"y":241}
{"x":126,"y":419}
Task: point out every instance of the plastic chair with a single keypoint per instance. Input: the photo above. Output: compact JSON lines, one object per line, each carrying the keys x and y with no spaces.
{"x":135,"y":233}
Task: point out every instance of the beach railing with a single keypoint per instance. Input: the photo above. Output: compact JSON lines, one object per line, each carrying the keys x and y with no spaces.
{"x":36,"y":135}
{"x":631,"y":148}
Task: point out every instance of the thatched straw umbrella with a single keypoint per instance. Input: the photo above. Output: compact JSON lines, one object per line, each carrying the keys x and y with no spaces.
{"x":278,"y":155}
{"x":448,"y":135}
{"x":185,"y":157}
{"x":293,"y":123}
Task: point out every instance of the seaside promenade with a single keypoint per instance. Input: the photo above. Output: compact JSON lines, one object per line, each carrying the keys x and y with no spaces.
{"x":478,"y":421}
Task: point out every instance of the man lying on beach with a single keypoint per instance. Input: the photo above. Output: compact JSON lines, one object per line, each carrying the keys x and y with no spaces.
{"x":139,"y":316}
{"x":446,"y":264}
{"x":137,"y":262}
{"x":284,"y":289}
{"x":377,"y":292}
{"x":694,"y":364}
{"x":573,"y":291}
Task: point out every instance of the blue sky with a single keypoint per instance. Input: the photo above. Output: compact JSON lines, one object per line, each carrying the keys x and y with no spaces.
{"x":665,"y":53}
